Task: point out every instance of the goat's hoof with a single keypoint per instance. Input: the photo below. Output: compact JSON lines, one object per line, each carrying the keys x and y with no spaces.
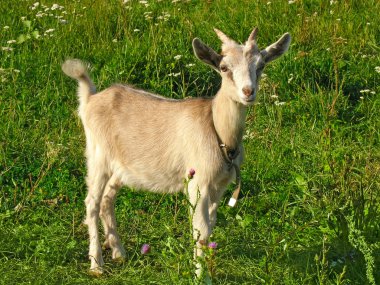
{"x":119,"y":256}
{"x":198,"y":273}
{"x":96,"y":272}
{"x":120,"y":259}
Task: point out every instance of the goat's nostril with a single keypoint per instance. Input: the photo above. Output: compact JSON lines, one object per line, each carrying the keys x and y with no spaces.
{"x":247,"y":91}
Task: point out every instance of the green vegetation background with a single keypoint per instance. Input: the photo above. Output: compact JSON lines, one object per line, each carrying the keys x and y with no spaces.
{"x":311,"y":176}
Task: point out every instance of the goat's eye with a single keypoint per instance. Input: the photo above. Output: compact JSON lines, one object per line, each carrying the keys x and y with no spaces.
{"x":224,"y":68}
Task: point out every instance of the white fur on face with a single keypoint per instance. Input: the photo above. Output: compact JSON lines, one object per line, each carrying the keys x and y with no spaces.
{"x":244,"y":63}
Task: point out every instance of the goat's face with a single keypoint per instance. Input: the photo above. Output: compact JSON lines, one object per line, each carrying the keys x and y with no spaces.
{"x":241,"y":65}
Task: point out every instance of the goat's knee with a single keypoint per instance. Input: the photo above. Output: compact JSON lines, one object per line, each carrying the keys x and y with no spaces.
{"x":201,"y":228}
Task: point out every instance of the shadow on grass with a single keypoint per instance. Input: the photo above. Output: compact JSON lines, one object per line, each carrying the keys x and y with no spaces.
{"x":309,"y":265}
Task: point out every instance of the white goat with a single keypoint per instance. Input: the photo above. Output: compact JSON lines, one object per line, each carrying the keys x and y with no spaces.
{"x":146,"y":141}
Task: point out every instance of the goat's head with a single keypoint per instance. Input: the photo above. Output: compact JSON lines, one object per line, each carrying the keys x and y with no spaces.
{"x":241,"y":65}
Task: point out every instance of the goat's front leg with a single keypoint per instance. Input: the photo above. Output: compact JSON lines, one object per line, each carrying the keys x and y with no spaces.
{"x":212,"y":213}
{"x":214,"y":201}
{"x":199,"y":200}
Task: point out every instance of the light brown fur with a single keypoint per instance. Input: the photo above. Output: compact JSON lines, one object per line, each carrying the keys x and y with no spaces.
{"x":149,"y":142}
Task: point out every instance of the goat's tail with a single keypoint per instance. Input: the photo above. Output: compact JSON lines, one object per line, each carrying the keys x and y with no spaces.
{"x":76,"y":69}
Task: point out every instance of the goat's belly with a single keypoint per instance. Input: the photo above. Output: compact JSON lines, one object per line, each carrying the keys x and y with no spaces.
{"x":156,"y":181}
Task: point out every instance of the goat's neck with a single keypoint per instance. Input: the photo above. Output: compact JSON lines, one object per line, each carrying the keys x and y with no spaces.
{"x":229,"y":117}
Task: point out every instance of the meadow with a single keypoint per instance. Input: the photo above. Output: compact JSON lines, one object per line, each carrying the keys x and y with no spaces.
{"x":310,"y":210}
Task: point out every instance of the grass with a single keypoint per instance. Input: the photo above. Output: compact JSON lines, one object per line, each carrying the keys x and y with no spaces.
{"x":311,"y":207}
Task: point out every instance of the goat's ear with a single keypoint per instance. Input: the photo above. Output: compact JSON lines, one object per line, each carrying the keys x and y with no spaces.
{"x":206,"y":54}
{"x":277,"y":49}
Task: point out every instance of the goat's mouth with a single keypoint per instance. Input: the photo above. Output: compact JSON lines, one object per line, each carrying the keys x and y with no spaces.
{"x":249,"y":100}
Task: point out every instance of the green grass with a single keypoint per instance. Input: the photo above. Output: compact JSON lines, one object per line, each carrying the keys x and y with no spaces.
{"x":311,"y":207}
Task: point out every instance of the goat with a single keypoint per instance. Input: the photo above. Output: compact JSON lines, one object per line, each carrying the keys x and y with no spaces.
{"x":146,"y":141}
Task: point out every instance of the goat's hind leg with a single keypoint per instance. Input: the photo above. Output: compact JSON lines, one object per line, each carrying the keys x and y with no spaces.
{"x":95,"y":182}
{"x":107,"y":215}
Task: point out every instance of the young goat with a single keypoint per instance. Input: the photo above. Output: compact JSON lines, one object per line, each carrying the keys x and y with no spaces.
{"x":146,"y":141}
